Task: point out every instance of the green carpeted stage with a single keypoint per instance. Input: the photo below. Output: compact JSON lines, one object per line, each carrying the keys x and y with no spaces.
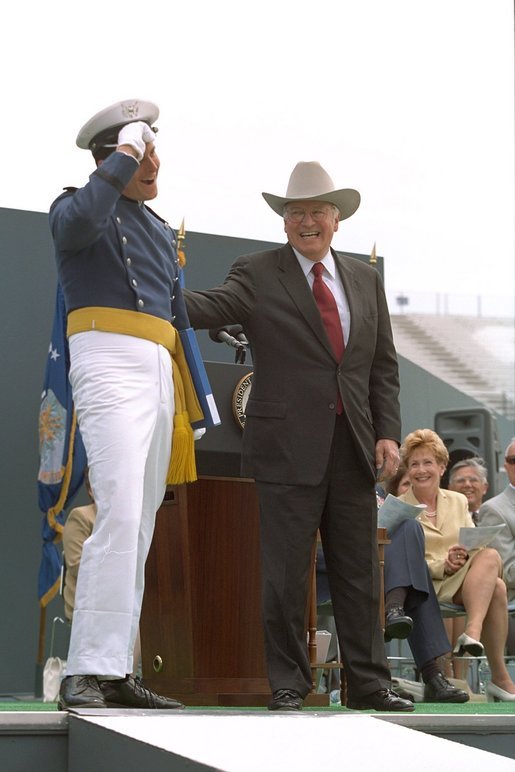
{"x":439,"y":708}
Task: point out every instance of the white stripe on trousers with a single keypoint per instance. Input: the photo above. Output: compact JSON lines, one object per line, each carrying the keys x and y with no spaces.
{"x":123,"y":393}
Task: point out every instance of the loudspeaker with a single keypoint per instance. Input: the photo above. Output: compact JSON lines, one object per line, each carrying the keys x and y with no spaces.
{"x":469,"y":432}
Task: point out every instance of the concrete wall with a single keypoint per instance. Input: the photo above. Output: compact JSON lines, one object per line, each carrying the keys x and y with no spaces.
{"x":28,"y":293}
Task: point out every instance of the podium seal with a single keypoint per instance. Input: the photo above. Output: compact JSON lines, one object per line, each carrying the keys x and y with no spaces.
{"x":239,"y":399}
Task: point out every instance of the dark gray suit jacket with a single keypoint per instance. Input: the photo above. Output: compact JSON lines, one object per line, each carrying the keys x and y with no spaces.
{"x":290,"y":414}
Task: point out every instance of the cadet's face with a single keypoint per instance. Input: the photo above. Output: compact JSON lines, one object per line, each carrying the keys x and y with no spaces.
{"x":143,"y":186}
{"x":310,"y":227}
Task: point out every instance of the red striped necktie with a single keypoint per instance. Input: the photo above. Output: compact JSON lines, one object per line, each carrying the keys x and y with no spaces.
{"x":326,"y":303}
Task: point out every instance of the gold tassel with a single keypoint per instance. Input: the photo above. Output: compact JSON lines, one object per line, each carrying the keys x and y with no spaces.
{"x":182,"y":468}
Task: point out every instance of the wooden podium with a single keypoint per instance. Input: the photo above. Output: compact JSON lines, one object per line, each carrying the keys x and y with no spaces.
{"x":201,"y":629}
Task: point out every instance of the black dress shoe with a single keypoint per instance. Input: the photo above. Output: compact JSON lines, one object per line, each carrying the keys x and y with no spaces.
{"x":384,"y":699}
{"x":397,"y":625}
{"x":286,"y":699}
{"x":129,"y":692}
{"x":80,"y":691}
{"x":438,"y":689}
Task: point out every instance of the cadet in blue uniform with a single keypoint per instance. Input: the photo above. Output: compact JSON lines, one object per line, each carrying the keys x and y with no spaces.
{"x":118,"y":267}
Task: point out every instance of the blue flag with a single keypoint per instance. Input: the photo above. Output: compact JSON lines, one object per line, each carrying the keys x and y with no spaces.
{"x":61,"y":451}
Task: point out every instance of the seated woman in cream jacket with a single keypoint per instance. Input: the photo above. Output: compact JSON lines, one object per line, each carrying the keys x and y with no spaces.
{"x":473,"y":579}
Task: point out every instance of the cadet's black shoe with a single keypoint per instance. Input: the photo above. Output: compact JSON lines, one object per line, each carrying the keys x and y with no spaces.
{"x":397,"y":624}
{"x":80,"y":691}
{"x":438,"y":689}
{"x":286,"y":699}
{"x":384,"y":699}
{"x":129,"y":692}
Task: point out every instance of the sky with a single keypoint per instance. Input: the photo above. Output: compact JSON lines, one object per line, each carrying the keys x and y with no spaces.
{"x":408,"y":101}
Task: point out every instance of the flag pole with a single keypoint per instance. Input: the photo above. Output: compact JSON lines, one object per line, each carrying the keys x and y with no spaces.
{"x":40,"y":662}
{"x":181,"y":235}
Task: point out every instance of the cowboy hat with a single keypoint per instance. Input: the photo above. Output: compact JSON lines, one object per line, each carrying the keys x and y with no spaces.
{"x":310,"y":182}
{"x":102,"y":129}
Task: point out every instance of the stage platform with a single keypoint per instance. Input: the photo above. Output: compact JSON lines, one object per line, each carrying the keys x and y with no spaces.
{"x":255,"y":740}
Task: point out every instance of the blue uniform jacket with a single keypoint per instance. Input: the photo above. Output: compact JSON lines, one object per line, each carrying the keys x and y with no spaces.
{"x":114,"y":252}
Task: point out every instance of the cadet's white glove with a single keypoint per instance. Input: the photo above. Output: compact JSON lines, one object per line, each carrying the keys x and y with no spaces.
{"x":136,"y":134}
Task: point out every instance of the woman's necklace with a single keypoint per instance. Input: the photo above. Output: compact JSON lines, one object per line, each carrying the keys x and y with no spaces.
{"x":431,"y":514}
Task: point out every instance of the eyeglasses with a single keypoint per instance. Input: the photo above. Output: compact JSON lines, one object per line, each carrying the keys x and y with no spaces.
{"x":297,"y":215}
{"x":462,"y":480}
{"x":510,"y":460}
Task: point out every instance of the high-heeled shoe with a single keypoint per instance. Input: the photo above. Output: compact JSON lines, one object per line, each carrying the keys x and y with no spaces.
{"x":467,"y":645}
{"x":496,"y":694}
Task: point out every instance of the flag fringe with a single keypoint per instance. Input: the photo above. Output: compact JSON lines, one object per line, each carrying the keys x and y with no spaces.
{"x":63,"y":495}
{"x":50,"y":593}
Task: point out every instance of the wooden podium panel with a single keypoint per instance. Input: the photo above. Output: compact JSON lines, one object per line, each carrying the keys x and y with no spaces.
{"x":201,"y":629}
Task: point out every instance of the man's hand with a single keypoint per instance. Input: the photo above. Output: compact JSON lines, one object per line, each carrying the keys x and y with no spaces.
{"x":135,"y":136}
{"x":387,"y":459}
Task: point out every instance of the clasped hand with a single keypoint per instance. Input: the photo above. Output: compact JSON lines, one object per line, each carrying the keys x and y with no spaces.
{"x":456,"y":559}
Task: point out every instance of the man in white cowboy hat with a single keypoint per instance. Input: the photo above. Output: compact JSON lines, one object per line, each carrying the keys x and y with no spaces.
{"x":118,"y":267}
{"x":322,"y":422}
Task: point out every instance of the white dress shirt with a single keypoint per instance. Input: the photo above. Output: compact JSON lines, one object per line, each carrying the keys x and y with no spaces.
{"x":332,"y":279}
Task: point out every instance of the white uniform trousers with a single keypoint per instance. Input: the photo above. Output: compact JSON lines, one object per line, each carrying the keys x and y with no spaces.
{"x":124,"y":398}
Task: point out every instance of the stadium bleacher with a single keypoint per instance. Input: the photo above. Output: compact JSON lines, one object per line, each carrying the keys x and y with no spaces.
{"x":475,"y":355}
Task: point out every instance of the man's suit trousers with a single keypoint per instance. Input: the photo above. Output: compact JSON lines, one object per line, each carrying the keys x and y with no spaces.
{"x":343,"y":506}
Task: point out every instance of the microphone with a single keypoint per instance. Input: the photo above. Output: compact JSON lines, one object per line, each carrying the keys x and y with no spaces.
{"x":232,"y":336}
{"x":223,"y":336}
